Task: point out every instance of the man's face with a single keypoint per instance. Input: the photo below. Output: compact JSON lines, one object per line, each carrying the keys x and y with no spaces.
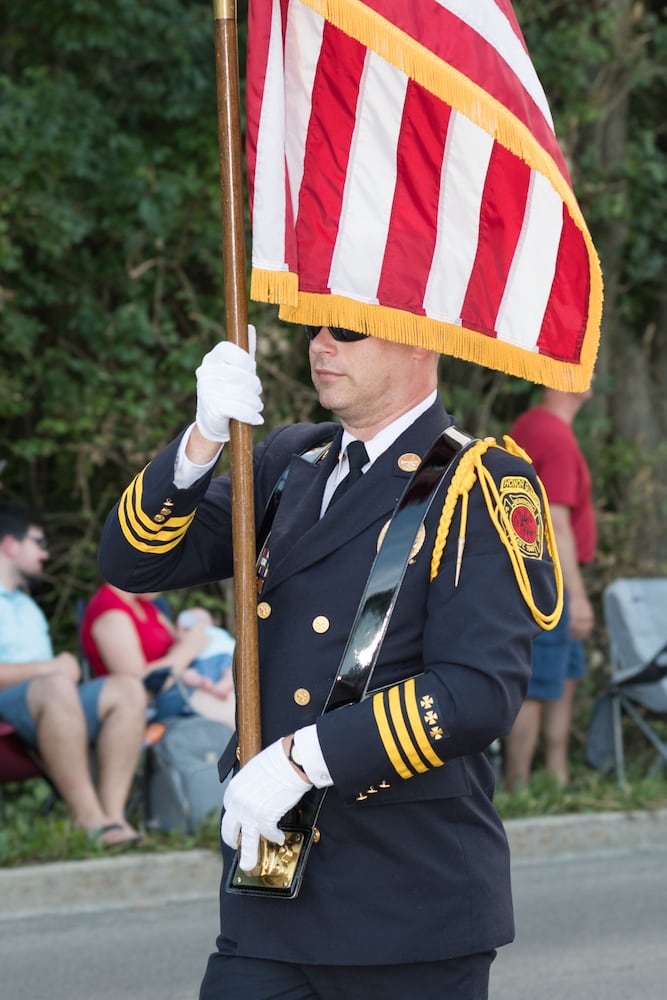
{"x":30,"y":553}
{"x":366,"y":383}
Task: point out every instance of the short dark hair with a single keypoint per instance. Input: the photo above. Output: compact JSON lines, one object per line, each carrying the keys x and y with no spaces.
{"x":16,"y":520}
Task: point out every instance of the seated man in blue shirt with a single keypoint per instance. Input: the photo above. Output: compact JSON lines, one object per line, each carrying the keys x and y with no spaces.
{"x":41,"y":698}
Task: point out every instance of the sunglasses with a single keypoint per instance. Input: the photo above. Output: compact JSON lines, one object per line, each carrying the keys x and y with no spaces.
{"x":338,"y":333}
{"x":40,"y":540}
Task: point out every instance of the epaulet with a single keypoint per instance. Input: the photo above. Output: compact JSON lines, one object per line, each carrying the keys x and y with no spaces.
{"x":504,"y":507}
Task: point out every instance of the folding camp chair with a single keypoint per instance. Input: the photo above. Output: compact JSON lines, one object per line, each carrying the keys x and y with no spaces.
{"x":635,"y":612}
{"x":18,"y":762}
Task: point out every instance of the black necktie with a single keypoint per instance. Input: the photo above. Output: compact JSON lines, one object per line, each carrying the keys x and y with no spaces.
{"x":357,"y":457}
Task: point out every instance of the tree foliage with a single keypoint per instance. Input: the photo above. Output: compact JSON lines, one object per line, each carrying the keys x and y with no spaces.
{"x":111,"y":272}
{"x":110,"y":256}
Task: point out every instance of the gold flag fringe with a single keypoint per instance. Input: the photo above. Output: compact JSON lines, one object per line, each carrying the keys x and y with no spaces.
{"x":279,"y":287}
{"x":403,"y":327}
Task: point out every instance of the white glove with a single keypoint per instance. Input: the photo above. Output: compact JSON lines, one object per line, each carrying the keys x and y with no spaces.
{"x":256,"y":798}
{"x":228,"y":387}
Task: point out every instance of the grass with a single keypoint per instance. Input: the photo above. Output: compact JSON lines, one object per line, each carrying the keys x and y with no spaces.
{"x":29,"y":837}
{"x":588,"y":792}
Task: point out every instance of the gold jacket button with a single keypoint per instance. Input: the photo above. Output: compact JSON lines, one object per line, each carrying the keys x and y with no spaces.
{"x":302,"y":696}
{"x":409,"y":462}
{"x":263,"y":609}
{"x":159,"y":518}
{"x":166,"y":511}
{"x":321,"y":624}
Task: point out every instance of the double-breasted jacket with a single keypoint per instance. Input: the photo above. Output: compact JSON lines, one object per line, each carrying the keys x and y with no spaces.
{"x":412,"y":862}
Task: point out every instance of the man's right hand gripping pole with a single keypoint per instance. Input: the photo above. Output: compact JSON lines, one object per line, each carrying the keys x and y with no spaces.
{"x":228,"y":388}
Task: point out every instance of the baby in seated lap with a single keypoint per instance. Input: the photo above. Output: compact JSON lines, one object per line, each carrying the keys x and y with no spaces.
{"x":211,"y":671}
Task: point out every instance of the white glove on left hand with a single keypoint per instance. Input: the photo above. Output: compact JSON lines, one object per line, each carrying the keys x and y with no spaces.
{"x":256,"y":798}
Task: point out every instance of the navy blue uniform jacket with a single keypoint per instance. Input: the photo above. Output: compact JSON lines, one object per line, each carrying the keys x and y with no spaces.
{"x":413,"y":862}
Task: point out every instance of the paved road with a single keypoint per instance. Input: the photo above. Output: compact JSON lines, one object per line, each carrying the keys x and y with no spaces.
{"x":588,"y":929}
{"x":145,"y":924}
{"x":590,"y":899}
{"x":591,"y":928}
{"x":140,"y":953}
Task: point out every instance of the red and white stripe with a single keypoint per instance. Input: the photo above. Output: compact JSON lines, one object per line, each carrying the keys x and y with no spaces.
{"x":372,"y":189}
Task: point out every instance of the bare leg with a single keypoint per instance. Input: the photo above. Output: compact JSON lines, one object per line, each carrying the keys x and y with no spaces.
{"x":62,"y":741}
{"x":122,"y":713}
{"x":212,"y":707}
{"x":520,"y":744}
{"x":198,"y":682}
{"x":557,"y":722}
{"x":223,"y":688}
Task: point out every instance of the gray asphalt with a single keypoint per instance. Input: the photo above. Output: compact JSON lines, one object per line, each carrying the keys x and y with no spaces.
{"x":590,"y":899}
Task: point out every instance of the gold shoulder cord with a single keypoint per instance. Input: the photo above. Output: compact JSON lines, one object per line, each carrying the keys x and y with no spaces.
{"x":471,"y":469}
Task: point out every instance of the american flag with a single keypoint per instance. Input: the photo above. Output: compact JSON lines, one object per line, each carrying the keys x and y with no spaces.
{"x":405,"y":180}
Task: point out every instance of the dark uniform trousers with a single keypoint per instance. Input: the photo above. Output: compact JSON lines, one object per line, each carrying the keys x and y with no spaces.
{"x":233,"y":978}
{"x":411,"y":872}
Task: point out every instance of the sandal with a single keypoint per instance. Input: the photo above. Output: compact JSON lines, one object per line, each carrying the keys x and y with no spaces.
{"x":98,"y":833}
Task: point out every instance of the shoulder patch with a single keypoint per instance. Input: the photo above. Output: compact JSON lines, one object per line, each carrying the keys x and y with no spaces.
{"x":524,"y":512}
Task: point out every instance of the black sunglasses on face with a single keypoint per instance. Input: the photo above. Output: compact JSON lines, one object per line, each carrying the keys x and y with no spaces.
{"x":40,"y":540}
{"x":338,"y":333}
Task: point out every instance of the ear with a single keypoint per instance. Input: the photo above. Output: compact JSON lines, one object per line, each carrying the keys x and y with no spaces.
{"x":424,"y":353}
{"x":8,"y":546}
{"x":428,"y":360}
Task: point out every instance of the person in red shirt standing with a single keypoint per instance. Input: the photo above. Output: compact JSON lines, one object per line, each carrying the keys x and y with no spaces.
{"x":546,"y":433}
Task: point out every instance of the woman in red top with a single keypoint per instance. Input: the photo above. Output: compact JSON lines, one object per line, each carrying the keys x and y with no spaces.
{"x":123,"y":633}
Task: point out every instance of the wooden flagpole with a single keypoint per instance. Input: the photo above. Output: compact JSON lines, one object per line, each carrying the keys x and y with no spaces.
{"x":236,"y":320}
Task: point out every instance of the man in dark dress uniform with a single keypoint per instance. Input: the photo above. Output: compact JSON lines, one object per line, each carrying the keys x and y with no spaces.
{"x":407,"y":891}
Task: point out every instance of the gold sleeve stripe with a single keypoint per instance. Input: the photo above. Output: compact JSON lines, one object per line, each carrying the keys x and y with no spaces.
{"x":417,"y":724}
{"x":408,"y":747}
{"x":151,"y":531}
{"x":133,"y":516}
{"x":155,"y":533}
{"x":387,"y":738}
{"x":156,"y":547}
{"x":145,"y":526}
{"x":159,"y":540}
{"x":174,"y":522}
{"x":132,"y":502}
{"x":131,"y":506}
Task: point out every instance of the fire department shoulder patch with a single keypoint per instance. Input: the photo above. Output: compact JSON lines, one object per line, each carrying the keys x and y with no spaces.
{"x":524,"y":512}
